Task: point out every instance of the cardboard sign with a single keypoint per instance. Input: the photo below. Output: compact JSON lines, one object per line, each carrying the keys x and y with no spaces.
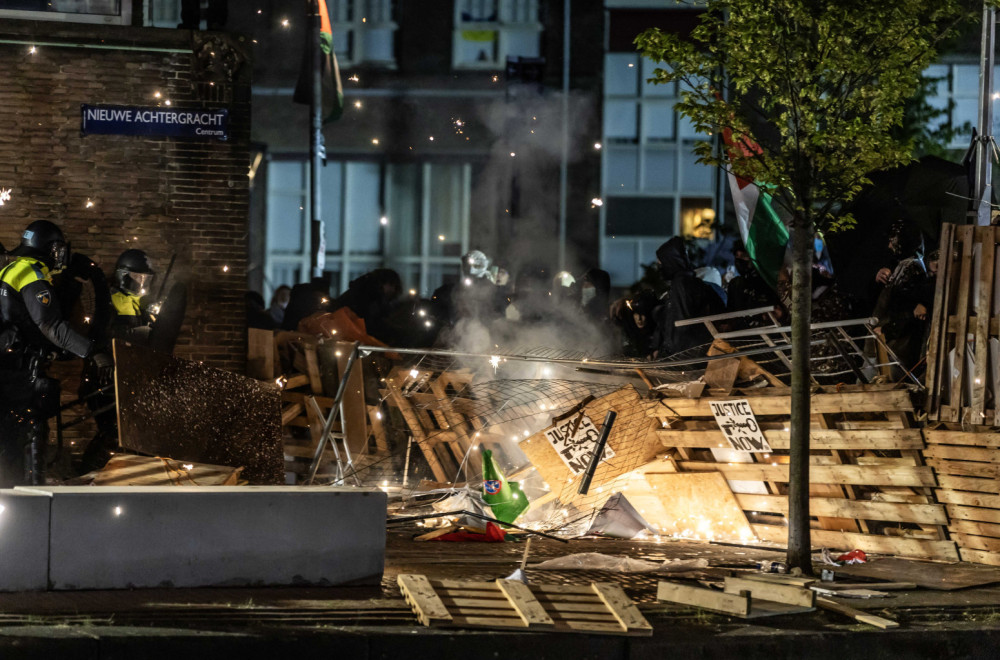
{"x":574,"y":440}
{"x":739,"y":425}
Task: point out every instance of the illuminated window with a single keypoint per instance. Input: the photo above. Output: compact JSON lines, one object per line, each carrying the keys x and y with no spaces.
{"x":487,"y":32}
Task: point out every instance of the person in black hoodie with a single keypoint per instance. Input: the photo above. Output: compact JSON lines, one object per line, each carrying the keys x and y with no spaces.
{"x":595,"y":294}
{"x":688,"y":297}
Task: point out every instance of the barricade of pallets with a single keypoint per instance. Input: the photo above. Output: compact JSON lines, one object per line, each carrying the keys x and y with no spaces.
{"x":869,"y":487}
{"x":967,"y":463}
{"x":963,"y":352}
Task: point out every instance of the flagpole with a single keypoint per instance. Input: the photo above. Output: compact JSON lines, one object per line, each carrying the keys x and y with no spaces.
{"x":984,"y":148}
{"x":317,"y":244}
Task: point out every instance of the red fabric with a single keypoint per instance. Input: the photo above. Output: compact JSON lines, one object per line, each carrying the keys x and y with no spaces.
{"x":493,"y":535}
{"x":342,"y":325}
{"x":854,"y":557}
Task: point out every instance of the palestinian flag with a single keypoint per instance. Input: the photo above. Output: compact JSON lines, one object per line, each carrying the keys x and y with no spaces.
{"x":333,"y":89}
{"x":764,"y":234}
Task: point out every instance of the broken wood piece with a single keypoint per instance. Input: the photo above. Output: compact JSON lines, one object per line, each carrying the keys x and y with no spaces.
{"x":856,"y":614}
{"x":717,"y":601}
{"x":778,"y":577}
{"x":419,"y":593}
{"x":773,"y":591}
{"x":440,"y":531}
{"x":526,"y":605}
{"x":878,"y":586}
{"x":621,"y":606}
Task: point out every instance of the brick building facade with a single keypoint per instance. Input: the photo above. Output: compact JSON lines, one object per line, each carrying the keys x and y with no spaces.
{"x":166,"y":196}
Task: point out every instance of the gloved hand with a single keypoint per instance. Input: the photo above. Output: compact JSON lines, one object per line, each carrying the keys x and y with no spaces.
{"x":104,"y":366}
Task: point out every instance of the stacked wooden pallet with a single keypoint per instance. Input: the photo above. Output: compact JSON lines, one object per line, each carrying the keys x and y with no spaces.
{"x":598,"y":607}
{"x":308,"y":371}
{"x":967,"y":463}
{"x":869,"y":488}
{"x":964,"y":344}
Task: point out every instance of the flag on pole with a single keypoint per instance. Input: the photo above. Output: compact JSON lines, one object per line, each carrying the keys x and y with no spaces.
{"x":333,"y":89}
{"x":764,"y":234}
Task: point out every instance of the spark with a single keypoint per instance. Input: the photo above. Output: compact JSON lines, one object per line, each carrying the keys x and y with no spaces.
{"x":90,"y":204}
{"x":467,"y":281}
{"x":414,"y":373}
{"x":285,"y":23}
{"x":996,"y":95}
{"x":512,"y":154}
{"x":378,"y":415}
{"x":597,"y":201}
{"x":496,"y":78}
{"x":118,"y":511}
{"x":4,"y":196}
{"x":495,"y":362}
{"x":2,"y":508}
{"x":383,"y":221}
{"x":32,"y":50}
{"x":167,"y":102}
{"x":357,"y":104}
{"x":225,"y":269}
{"x":630,"y":65}
{"x":86,"y":319}
{"x":431,"y":138}
{"x":188,"y":466}
{"x":374,"y":140}
{"x":337,"y":354}
{"x":421,"y":313}
{"x":597,"y":145}
{"x":413,"y":292}
{"x":428,"y":323}
{"x":324,"y":300}
{"x":440,"y":237}
{"x":354,"y":78}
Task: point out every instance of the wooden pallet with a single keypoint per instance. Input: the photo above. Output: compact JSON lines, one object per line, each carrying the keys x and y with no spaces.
{"x":866,"y":468}
{"x":599,"y":607}
{"x":742,"y":598}
{"x":967,"y":463}
{"x":964,"y":332}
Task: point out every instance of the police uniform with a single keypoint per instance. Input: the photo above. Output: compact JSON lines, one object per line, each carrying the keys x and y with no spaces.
{"x":33,"y":326}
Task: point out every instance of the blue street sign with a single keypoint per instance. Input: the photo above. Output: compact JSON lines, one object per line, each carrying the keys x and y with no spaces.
{"x":198,"y":124}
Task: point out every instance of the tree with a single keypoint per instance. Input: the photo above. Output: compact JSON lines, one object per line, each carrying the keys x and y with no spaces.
{"x":820,"y":85}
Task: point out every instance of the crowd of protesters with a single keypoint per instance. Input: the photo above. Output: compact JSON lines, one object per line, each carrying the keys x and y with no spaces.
{"x":486,"y":307}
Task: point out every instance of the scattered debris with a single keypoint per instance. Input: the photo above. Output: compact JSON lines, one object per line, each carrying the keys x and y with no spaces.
{"x":595,"y":561}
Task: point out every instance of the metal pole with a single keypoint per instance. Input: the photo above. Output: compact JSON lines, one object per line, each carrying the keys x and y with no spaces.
{"x":564,"y":159}
{"x":595,"y":460}
{"x":984,"y":148}
{"x":317,"y":245}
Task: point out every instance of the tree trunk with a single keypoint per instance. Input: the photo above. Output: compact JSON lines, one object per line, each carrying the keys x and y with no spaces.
{"x":799,"y":550}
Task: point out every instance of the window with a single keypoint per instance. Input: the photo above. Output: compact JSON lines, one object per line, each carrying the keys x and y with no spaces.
{"x":425,"y":231}
{"x":487,"y":32}
{"x":113,"y":12}
{"x":652,"y":186}
{"x":958,"y":85}
{"x":363,"y":32}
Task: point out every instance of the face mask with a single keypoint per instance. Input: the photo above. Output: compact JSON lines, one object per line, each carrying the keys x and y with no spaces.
{"x":587,"y":294}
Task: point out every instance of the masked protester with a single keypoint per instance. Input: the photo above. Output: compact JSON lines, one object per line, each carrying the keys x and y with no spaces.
{"x":688,"y":297}
{"x":595,"y":294}
{"x":33,"y":331}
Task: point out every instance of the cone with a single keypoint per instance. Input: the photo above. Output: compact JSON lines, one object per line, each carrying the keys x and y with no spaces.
{"x":504,"y":497}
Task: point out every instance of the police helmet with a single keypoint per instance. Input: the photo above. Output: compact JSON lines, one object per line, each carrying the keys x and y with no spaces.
{"x":133,"y":272}
{"x":44,"y":240}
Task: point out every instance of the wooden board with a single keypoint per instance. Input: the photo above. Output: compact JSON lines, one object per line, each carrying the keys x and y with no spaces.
{"x":929,"y":514}
{"x":260,"y":354}
{"x":598,"y":607}
{"x":740,"y":605}
{"x":870,"y":543}
{"x":856,"y":614}
{"x":875,"y":401}
{"x":819,"y":439}
{"x":188,"y":411}
{"x":698,"y":505}
{"x":861,"y":475}
{"x":928,"y":575}
{"x":788,"y":594}
{"x":132,"y":470}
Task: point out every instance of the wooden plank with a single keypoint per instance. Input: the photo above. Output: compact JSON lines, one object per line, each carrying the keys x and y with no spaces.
{"x":819,"y":439}
{"x":683,"y":594}
{"x":260,"y":354}
{"x":946,"y":496}
{"x":948,"y":437}
{"x":981,"y":328}
{"x":525,"y":604}
{"x":948,"y":482}
{"x":854,"y":402}
{"x":957,"y":512}
{"x":779,"y":578}
{"x":295,"y":381}
{"x":875,"y":475}
{"x":929,"y":514}
{"x":312,"y":367}
{"x":981,"y":557}
{"x":772,"y":591}
{"x":621,"y":606}
{"x":939,"y":315}
{"x":353,"y":407}
{"x":984,"y":454}
{"x":420,"y":594}
{"x":974,"y":527}
{"x":696,"y":504}
{"x":290,"y":412}
{"x":957,"y":381}
{"x":580,"y":590}
{"x":973,"y":542}
{"x":856,"y":614}
{"x":877,"y":586}
{"x":889,"y":545}
{"x":965,"y":468}
{"x":416,"y":427}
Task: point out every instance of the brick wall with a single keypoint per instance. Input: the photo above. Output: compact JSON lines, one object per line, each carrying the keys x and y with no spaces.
{"x":112,"y":192}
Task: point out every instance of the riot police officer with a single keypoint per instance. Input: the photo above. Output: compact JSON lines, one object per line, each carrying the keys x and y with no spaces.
{"x":132,"y":281}
{"x":33,"y":331}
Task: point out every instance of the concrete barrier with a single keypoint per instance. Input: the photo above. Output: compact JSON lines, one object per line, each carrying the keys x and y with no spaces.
{"x":112,"y":538}
{"x":24,"y":541}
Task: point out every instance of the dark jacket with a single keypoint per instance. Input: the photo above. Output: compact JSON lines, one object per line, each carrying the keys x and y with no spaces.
{"x":689,"y":297}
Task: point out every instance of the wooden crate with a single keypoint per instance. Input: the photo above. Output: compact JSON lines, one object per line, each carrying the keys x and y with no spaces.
{"x":598,"y":607}
{"x":867,"y":477}
{"x":964,"y":335}
{"x":967,"y":463}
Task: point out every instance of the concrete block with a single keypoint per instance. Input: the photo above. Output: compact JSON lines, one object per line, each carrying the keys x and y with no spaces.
{"x":112,"y":538}
{"x":24,"y":541}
